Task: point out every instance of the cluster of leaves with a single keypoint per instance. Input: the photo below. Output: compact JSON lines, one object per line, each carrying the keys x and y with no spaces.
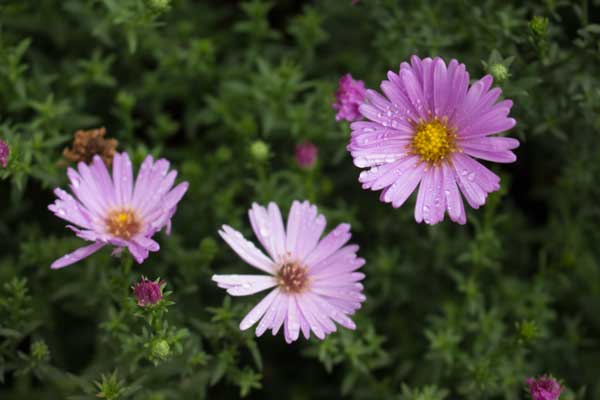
{"x":225,"y":90}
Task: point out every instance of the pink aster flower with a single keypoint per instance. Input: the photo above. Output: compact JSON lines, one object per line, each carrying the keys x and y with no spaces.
{"x":349,"y":97}
{"x":306,"y":154}
{"x":315,"y":280}
{"x":544,"y":388}
{"x":4,"y":153}
{"x":118,"y":211}
{"x":427,"y":132}
{"x":148,"y":292}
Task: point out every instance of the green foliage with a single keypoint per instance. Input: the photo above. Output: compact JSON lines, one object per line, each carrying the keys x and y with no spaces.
{"x":225,"y":91}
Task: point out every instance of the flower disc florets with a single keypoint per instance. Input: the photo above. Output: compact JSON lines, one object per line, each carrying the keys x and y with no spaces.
{"x":292,"y":277}
{"x":433,"y":141}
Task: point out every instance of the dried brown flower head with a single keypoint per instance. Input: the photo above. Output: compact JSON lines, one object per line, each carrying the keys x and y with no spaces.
{"x":88,"y":143}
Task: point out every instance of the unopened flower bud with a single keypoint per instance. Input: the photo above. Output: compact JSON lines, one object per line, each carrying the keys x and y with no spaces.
{"x":499,"y":72}
{"x":544,"y":388}
{"x":306,"y":154}
{"x":259,"y":150}
{"x":160,"y":349}
{"x":4,"y":153}
{"x":349,"y":96}
{"x":39,"y":351}
{"x":539,"y":26}
{"x":147,"y":292}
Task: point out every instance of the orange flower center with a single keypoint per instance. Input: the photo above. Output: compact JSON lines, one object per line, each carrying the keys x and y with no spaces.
{"x":123,"y":223}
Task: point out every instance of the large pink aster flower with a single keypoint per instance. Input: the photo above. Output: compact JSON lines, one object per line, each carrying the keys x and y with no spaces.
{"x":314,"y":280}
{"x":116,"y":211}
{"x":427,"y":131}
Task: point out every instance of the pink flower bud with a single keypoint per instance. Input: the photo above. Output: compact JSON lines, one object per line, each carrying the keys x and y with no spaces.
{"x":306,"y":154}
{"x":147,"y":292}
{"x":4,"y":153}
{"x":349,"y":97}
{"x":544,"y":388}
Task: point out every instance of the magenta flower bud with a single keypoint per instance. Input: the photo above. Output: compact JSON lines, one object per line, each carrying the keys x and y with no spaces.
{"x":544,"y":388}
{"x":4,"y":153}
{"x":306,"y":154}
{"x":147,"y":292}
{"x":349,"y":96}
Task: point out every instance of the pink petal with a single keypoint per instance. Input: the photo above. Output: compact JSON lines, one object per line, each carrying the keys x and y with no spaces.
{"x":257,"y":312}
{"x":123,"y":178}
{"x":244,"y":285}
{"x":141,"y":192}
{"x":460,"y":86}
{"x":292,"y":321}
{"x":282,"y":308}
{"x":399,"y":192}
{"x":311,"y":229}
{"x":332,"y":312}
{"x":147,"y":243}
{"x":88,"y":196}
{"x":157,"y":173}
{"x":307,"y":312}
{"x":268,"y":228}
{"x":321,"y":317}
{"x":394,"y":89}
{"x":474,"y":180}
{"x":293,"y":226}
{"x":77,"y":255}
{"x":69,"y":209}
{"x":175,"y":195}
{"x":246,"y":249}
{"x":367,"y":177}
{"x":441,"y":89}
{"x":138,"y":252}
{"x":269,"y":317}
{"x":454,"y":203}
{"x":335,"y":267}
{"x":430,"y":200}
{"x":427,"y":83}
{"x":103,"y":180}
{"x":156,"y":198}
{"x":332,"y":242}
{"x":413,"y":89}
{"x":495,"y":156}
{"x":343,"y":256}
{"x":485,"y":128}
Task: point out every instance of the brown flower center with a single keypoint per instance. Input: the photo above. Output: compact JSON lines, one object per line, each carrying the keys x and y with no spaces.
{"x":292,"y":277}
{"x":123,"y":223}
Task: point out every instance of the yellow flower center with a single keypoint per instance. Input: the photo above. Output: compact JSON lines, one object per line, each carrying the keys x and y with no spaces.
{"x":292,"y":277}
{"x":123,"y":223}
{"x":433,"y":141}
